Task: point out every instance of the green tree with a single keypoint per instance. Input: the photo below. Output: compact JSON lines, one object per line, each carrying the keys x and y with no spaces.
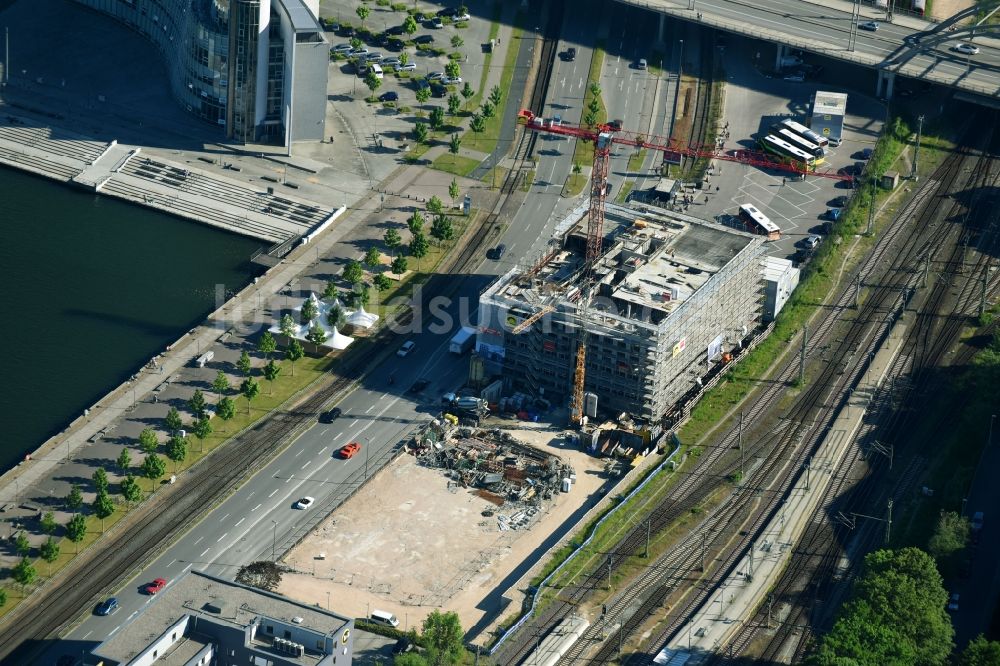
{"x":271,"y":372}
{"x":595,"y":91}
{"x":244,"y":365}
{"x":103,"y":507}
{"x":21,"y":544}
{"x":124,"y":460}
{"x":100,"y":479}
{"x":399,"y":265}
{"x":423,"y":94}
{"x":453,"y":69}
{"x":409,"y":25}
{"x":49,"y":524}
{"x":457,"y":41}
{"x":226,"y":409}
{"x":361,"y":296}
{"x":419,"y":246}
{"x":221,"y":382}
{"x":363,"y":11}
{"x":454,"y":104}
{"x":404,"y":57}
{"x":488,"y":110}
{"x":373,"y":258}
{"x":373,"y":82}
{"x":355,"y":43}
{"x":420,"y":132}
{"x":76,"y":529}
{"x":415,"y":222}
{"x":409,"y":659}
{"x":980,"y":652}
{"x":3,"y":597}
{"x":496,"y":96}
{"x":202,"y":429}
{"x":442,"y":636}
{"x":436,"y":118}
{"x":392,"y":240}
{"x":309,"y":311}
{"x":353,"y":272}
{"x":74,"y":500}
{"x":250,"y":390}
{"x":949,"y":539}
{"x":148,"y":440}
{"x":49,"y":551}
{"x":442,"y":229}
{"x":330,"y":291}
{"x":453,"y":191}
{"x":477,"y":123}
{"x":317,"y":335}
{"x":177,"y":447}
{"x":336,"y":318}
{"x":453,"y":144}
{"x":172,"y":421}
{"x":130,"y":489}
{"x":287,"y":325}
{"x":153,"y":467}
{"x":24,"y":572}
{"x":266,"y":345}
{"x":197,"y":404}
{"x":590,"y":118}
{"x":382,"y":282}
{"x":294,"y":352}
{"x":467,"y":91}
{"x":435,"y":206}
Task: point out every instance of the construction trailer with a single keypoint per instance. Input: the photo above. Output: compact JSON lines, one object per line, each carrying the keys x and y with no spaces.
{"x":781,"y":277}
{"x":671,"y":294}
{"x":829,"y":109}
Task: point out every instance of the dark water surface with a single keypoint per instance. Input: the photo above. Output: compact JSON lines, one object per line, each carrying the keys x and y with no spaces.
{"x":92,"y":288}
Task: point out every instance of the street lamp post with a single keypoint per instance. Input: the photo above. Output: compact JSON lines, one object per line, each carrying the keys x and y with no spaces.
{"x":274,"y":538}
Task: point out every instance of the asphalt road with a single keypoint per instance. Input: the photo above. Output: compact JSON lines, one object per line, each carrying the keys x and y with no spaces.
{"x":906,"y":46}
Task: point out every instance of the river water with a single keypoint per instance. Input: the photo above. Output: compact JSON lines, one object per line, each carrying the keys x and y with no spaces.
{"x":92,"y":289}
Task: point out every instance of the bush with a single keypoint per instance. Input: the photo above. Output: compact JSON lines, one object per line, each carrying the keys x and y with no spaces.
{"x":382,"y":3}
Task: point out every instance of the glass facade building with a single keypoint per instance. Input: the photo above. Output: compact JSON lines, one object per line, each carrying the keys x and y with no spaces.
{"x":233,"y":63}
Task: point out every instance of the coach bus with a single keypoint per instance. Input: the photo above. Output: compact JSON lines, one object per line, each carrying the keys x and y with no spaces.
{"x":804,"y":132}
{"x":757,"y":223}
{"x":802,"y":144}
{"x":786,"y":151}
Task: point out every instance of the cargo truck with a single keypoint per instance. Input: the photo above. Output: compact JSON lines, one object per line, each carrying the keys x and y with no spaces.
{"x":463,"y":340}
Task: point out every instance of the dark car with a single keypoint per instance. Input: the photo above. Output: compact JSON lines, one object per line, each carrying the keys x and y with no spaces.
{"x":395,"y":44}
{"x":615,"y":125}
{"x":838,"y":202}
{"x":107,"y":607}
{"x":401,"y":646}
{"x":330,"y":416}
{"x":390,"y":96}
{"x":438,"y":90}
{"x":498,"y":252}
{"x":570,"y":54}
{"x":346,"y":31}
{"x":396,"y":30}
{"x":424,"y":39}
{"x":419,"y":386}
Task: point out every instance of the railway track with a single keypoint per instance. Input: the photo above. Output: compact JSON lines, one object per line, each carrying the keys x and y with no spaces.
{"x":28,"y":630}
{"x":813,"y":575}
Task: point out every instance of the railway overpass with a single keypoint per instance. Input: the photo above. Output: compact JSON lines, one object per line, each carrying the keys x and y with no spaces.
{"x":908,"y":46}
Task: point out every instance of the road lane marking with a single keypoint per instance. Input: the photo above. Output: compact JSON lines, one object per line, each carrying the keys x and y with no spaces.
{"x":114,"y":630}
{"x":251,"y":494}
{"x":240,"y":521}
{"x":303,"y":467}
{"x":355,"y":422}
{"x":322,"y":450}
{"x":188,"y":566}
{"x":222,"y":537}
{"x":298,"y":453}
{"x":134,"y":613}
{"x":88,"y":634}
{"x":204,"y":551}
{"x":255,"y":508}
{"x":171,"y":563}
{"x":272,"y":493}
{"x":223,"y":518}
{"x":370,"y":408}
{"x":199,"y":539}
{"x":384,"y":396}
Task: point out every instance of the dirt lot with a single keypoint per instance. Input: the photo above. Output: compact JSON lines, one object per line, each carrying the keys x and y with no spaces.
{"x":409,"y":544}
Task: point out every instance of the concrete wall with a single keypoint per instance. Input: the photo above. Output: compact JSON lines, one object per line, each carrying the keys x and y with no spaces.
{"x":312,"y":64}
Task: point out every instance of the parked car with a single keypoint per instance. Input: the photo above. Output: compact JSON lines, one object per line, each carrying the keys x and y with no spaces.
{"x":498,"y":252}
{"x":157,"y":585}
{"x":966,"y":48}
{"x":305,"y":503}
{"x":833,"y":214}
{"x":342,"y":48}
{"x":391,"y":96}
{"x":435,"y":23}
{"x":953,"y":602}
{"x":870,"y":26}
{"x":107,"y":607}
{"x":395,"y":44}
{"x":615,"y":125}
{"x":424,"y":39}
{"x":408,"y":67}
{"x":391,"y":61}
{"x":812,"y":242}
{"x":373,"y":57}
{"x":358,"y":53}
{"x":839,"y":202}
{"x":461,"y":16}
{"x":348,"y":451}
{"x":433,"y":76}
{"x":406,"y":348}
{"x":451,"y":80}
{"x":396,"y":30}
{"x":330,"y":416}
{"x":401,"y":646}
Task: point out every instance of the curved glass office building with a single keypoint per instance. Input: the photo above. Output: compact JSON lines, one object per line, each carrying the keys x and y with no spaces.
{"x":258,"y":68}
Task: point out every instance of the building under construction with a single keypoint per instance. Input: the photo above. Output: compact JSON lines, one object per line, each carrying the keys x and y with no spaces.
{"x":669,"y":296}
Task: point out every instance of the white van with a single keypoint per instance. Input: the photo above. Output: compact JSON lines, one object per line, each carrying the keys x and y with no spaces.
{"x":384,"y":617}
{"x":377,"y":69}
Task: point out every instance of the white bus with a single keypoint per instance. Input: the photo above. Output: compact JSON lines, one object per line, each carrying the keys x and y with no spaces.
{"x":803,"y":144}
{"x":804,"y":132}
{"x":757,"y":223}
{"x":786,"y":151}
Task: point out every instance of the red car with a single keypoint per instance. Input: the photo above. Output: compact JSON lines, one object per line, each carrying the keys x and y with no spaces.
{"x":156,"y":586}
{"x":348,"y":451}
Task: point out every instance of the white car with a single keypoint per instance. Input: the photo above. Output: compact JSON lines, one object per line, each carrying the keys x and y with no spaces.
{"x":871,"y":26}
{"x":462,"y":17}
{"x":408,"y":67}
{"x":342,"y":48}
{"x":451,"y":80}
{"x":358,"y":54}
{"x":966,"y":48}
{"x":406,"y":348}
{"x":304,"y":503}
{"x":433,"y":76}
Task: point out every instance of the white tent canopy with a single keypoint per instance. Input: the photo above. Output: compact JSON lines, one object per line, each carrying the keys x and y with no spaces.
{"x":335,"y":339}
